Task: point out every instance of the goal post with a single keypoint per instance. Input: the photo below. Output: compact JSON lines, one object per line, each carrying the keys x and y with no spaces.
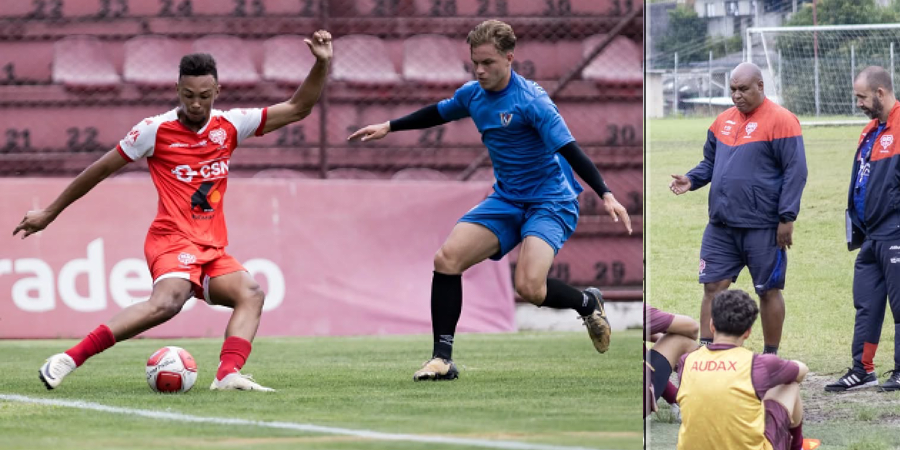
{"x":813,"y":68}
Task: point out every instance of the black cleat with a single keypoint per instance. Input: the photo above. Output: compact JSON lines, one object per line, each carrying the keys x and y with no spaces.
{"x":892,"y":383}
{"x":852,"y":380}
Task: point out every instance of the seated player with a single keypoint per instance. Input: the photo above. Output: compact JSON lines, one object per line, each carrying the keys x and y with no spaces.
{"x":732,"y":398}
{"x":674,"y":335}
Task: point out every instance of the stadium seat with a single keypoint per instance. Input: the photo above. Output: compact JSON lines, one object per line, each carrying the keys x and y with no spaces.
{"x":286,"y":60}
{"x":81,"y":62}
{"x":620,"y":62}
{"x":280,"y":173}
{"x":433,"y":59}
{"x":532,"y":8}
{"x":419,"y":173}
{"x":626,"y":183}
{"x":352,"y":174}
{"x":598,"y":260}
{"x":362,"y":59}
{"x":26,"y":61}
{"x":152,"y":61}
{"x":612,"y":123}
{"x":233,"y":60}
{"x":466,"y":8}
{"x":371,"y":8}
{"x":74,"y":129}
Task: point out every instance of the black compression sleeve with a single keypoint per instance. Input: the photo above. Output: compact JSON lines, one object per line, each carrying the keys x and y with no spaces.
{"x":584,"y":167}
{"x":426,"y":117}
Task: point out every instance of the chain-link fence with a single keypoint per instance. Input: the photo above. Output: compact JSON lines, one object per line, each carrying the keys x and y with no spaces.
{"x":78,"y":74}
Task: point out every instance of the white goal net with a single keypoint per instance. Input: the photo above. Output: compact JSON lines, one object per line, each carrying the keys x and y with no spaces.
{"x":813,"y":67}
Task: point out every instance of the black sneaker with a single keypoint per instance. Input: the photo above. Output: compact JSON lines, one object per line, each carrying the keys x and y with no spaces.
{"x":853,"y":379}
{"x":892,"y":383}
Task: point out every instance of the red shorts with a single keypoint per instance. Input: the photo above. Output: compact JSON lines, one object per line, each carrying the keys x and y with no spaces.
{"x":174,"y":256}
{"x":778,"y":425}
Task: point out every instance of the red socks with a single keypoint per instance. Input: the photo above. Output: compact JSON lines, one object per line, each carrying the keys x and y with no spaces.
{"x":98,"y":340}
{"x":669,"y":394}
{"x":797,"y":437}
{"x":868,"y":356}
{"x":234,"y":354}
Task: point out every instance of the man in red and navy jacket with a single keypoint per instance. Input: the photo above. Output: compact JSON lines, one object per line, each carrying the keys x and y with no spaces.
{"x":756,"y":164}
{"x":873,"y":226}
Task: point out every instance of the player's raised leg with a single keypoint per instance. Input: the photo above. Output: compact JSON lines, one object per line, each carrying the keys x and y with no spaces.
{"x":784,"y":416}
{"x":168,"y":297}
{"x":532,"y":284}
{"x":467,"y":245}
{"x":239,"y":291}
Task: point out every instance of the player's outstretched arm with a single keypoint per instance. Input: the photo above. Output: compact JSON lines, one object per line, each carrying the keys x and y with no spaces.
{"x":307,"y":95}
{"x":426,"y":117}
{"x":37,"y":220}
{"x":588,"y":172}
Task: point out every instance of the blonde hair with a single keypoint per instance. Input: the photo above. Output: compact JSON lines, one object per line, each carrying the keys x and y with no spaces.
{"x":493,"y":32}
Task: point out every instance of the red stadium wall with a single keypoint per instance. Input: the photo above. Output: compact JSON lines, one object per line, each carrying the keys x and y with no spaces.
{"x":335,"y":257}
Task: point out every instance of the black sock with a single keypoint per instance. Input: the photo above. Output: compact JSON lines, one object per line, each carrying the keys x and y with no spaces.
{"x":562,"y":296}
{"x":446,"y":306}
{"x":770,"y":350}
{"x":705,"y":341}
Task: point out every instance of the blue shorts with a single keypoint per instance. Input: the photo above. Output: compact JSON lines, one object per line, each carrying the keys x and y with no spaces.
{"x":726,"y":250}
{"x":553,"y":222}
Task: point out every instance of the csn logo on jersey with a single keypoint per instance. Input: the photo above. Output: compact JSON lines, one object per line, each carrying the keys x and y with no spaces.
{"x":217,"y":169}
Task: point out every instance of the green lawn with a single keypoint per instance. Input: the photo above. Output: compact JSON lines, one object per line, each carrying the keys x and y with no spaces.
{"x":819,"y":325}
{"x":540,"y":388}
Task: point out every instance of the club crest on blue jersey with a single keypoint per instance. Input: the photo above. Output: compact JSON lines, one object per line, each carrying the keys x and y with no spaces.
{"x":505,"y":118}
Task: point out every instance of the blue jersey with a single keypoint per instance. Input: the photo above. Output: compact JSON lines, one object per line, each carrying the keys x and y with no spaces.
{"x":522,"y":130}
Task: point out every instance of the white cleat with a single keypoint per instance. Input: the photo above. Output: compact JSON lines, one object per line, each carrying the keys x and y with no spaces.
{"x":235,"y":381}
{"x":55,"y":369}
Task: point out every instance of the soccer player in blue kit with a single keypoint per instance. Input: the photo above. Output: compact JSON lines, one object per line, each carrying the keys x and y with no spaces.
{"x":534,"y":200}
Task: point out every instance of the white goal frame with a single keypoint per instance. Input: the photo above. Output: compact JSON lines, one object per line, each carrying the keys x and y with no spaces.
{"x":767,"y":56}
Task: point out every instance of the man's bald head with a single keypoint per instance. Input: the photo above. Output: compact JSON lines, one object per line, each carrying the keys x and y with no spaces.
{"x":747,"y":91}
{"x":874,"y":92}
{"x":747,"y":70}
{"x":876,"y":77}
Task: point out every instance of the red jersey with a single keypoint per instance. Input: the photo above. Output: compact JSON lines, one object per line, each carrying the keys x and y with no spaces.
{"x":190,"y":170}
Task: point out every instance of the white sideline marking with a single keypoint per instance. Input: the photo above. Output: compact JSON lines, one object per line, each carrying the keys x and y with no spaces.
{"x":162,"y":415}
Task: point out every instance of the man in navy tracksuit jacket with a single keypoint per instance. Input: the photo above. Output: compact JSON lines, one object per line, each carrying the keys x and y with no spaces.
{"x":873,"y":213}
{"x":755,"y":160}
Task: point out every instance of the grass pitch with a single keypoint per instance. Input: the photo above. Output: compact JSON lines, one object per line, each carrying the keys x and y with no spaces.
{"x":550,"y":389}
{"x":819,"y":325}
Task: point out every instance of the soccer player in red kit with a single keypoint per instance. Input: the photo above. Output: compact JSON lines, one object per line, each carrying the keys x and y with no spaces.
{"x":188,"y":151}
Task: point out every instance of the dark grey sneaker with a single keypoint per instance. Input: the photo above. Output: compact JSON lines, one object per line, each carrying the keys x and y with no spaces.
{"x":596,"y":322}
{"x":892,"y":383}
{"x":852,"y":380}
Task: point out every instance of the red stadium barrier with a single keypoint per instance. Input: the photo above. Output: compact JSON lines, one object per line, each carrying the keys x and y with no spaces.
{"x":340,"y":257}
